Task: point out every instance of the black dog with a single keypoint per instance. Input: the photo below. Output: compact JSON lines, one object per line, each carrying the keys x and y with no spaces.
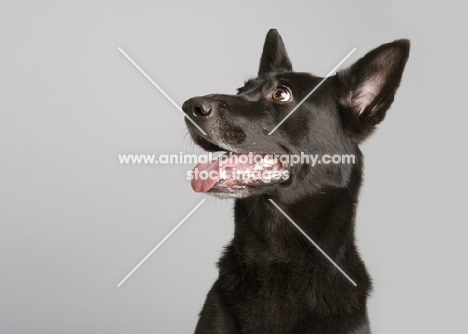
{"x":271,"y":278}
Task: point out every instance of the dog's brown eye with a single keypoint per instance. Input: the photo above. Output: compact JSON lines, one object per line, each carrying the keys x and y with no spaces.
{"x":281,"y":94}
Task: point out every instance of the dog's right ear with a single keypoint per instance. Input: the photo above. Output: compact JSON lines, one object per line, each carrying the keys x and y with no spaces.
{"x":274,"y":56}
{"x":367,"y":88}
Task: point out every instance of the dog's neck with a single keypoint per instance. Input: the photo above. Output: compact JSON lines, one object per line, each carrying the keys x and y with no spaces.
{"x":267,"y":246}
{"x":326,"y":215}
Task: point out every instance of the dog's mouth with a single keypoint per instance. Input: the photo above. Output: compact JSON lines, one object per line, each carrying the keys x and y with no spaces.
{"x":234,"y":172}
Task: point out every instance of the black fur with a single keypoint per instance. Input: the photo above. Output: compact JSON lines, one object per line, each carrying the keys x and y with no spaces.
{"x":271,"y":279}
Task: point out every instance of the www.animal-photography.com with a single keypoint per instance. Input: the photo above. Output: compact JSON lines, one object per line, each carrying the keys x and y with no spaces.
{"x":208,"y":167}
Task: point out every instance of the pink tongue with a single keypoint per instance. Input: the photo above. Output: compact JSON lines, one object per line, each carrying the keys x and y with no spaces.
{"x":202,"y":186}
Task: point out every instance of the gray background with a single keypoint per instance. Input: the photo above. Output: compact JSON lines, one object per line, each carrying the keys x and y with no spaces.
{"x":74,"y":222}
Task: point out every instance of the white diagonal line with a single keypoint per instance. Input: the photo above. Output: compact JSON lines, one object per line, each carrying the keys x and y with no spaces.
{"x":162,"y":241}
{"x":160,"y":89}
{"x":313,"y":90}
{"x":313,"y":242}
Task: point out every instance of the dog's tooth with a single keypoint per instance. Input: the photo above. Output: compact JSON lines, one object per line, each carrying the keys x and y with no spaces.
{"x":267,"y":161}
{"x":264,"y":163}
{"x":257,"y":166}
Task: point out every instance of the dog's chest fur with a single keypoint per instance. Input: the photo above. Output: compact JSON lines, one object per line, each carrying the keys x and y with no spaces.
{"x":274,"y":281}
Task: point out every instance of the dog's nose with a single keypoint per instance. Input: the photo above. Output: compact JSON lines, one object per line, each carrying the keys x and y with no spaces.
{"x":197,"y":107}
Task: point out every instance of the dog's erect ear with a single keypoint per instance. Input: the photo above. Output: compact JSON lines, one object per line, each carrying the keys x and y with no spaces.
{"x":367,"y":88}
{"x":274,"y":56}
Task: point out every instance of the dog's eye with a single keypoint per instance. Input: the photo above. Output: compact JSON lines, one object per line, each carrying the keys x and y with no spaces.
{"x":281,"y":94}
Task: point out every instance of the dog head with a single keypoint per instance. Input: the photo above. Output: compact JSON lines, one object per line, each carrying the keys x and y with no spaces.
{"x":332,"y":121}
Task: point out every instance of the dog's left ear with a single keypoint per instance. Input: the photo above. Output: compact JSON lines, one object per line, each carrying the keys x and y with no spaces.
{"x":367,"y":88}
{"x":274,"y":56}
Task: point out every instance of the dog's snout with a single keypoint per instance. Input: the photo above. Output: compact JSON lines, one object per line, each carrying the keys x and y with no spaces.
{"x":198,"y":107}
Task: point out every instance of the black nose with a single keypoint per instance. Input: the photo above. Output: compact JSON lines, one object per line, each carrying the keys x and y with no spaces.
{"x":197,"y":107}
